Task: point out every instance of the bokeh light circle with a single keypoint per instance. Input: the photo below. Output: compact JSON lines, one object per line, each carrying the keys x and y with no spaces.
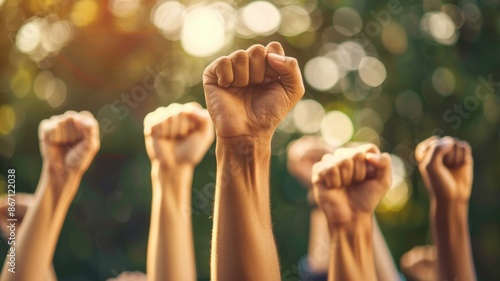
{"x":409,"y":105}
{"x":307,"y":116}
{"x":295,"y":20}
{"x":29,"y":35}
{"x":261,"y":17}
{"x":372,"y":71}
{"x":398,"y":194}
{"x":443,"y":81}
{"x":347,"y":21}
{"x":322,"y":73}
{"x":440,"y":27}
{"x":336,"y":128}
{"x":203,"y":32}
{"x":168,"y":18}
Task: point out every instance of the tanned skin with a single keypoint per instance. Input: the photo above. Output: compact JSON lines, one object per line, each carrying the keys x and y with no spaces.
{"x":302,"y":154}
{"x":248,"y":93}
{"x":446,"y":166}
{"x":348,"y":185}
{"x":177,"y":137}
{"x":68,"y":144}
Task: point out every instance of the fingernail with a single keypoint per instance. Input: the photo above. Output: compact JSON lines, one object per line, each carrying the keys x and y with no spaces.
{"x":267,"y":80}
{"x":278,"y":57}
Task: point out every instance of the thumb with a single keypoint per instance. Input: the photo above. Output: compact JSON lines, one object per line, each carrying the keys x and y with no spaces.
{"x":437,"y":152}
{"x":200,"y":117}
{"x":88,"y":145}
{"x":289,"y":71}
{"x":382,"y":164}
{"x":379,"y":161}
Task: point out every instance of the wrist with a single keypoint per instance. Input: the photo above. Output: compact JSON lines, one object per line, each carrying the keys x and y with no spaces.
{"x":351,"y":250}
{"x":62,"y":183}
{"x":172,"y":182}
{"x":449,"y":210}
{"x":248,"y":140}
{"x":247,"y":157}
{"x":162,"y":169}
{"x":60,"y":173}
{"x":361,"y":225}
{"x":247,"y":148}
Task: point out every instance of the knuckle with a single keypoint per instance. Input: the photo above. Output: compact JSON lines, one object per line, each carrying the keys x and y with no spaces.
{"x":465,"y":145}
{"x":326,"y":157}
{"x":293,"y":62}
{"x":257,"y":51}
{"x":447,"y":139}
{"x":239,"y":57}
{"x":224,"y":62}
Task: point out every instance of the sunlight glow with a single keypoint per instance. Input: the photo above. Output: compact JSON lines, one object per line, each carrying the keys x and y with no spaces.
{"x":261,"y":17}
{"x":372,"y":71}
{"x":29,"y":35}
{"x":398,"y":194}
{"x":307,"y":116}
{"x":322,"y":73}
{"x":168,"y":17}
{"x":295,"y":20}
{"x":203,"y":32}
{"x":336,"y":128}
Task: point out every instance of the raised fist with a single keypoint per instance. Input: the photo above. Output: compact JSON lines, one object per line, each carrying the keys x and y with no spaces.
{"x":302,"y":154}
{"x":446,"y":167}
{"x":69,"y":142}
{"x":349,"y":183}
{"x":249,"y":92}
{"x":420,"y":264}
{"x":178,"y":134}
{"x":23,"y":201}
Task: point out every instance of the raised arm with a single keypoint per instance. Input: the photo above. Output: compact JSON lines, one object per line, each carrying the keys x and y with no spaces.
{"x":23,"y":201}
{"x":302,"y":154}
{"x":177,"y":137}
{"x":248,"y":93}
{"x":384,"y":263}
{"x":68,"y":143}
{"x":446,"y":167}
{"x":348,"y":185}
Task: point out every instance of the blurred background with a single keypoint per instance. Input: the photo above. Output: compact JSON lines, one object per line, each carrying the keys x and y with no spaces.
{"x":388,"y":72}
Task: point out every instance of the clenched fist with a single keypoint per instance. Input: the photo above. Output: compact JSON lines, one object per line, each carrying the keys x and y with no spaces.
{"x":69,"y":142}
{"x":249,"y":92}
{"x":349,"y":183}
{"x":420,"y":264}
{"x":302,"y":154}
{"x":446,"y":167}
{"x":178,"y":134}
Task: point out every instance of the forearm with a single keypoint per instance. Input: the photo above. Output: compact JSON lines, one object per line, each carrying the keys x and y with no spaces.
{"x":384,"y":263}
{"x":351,"y":251}
{"x":42,"y":225}
{"x":51,"y":274}
{"x":170,"y":244}
{"x":243,"y":245}
{"x":451,"y":235}
{"x":319,"y":242}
